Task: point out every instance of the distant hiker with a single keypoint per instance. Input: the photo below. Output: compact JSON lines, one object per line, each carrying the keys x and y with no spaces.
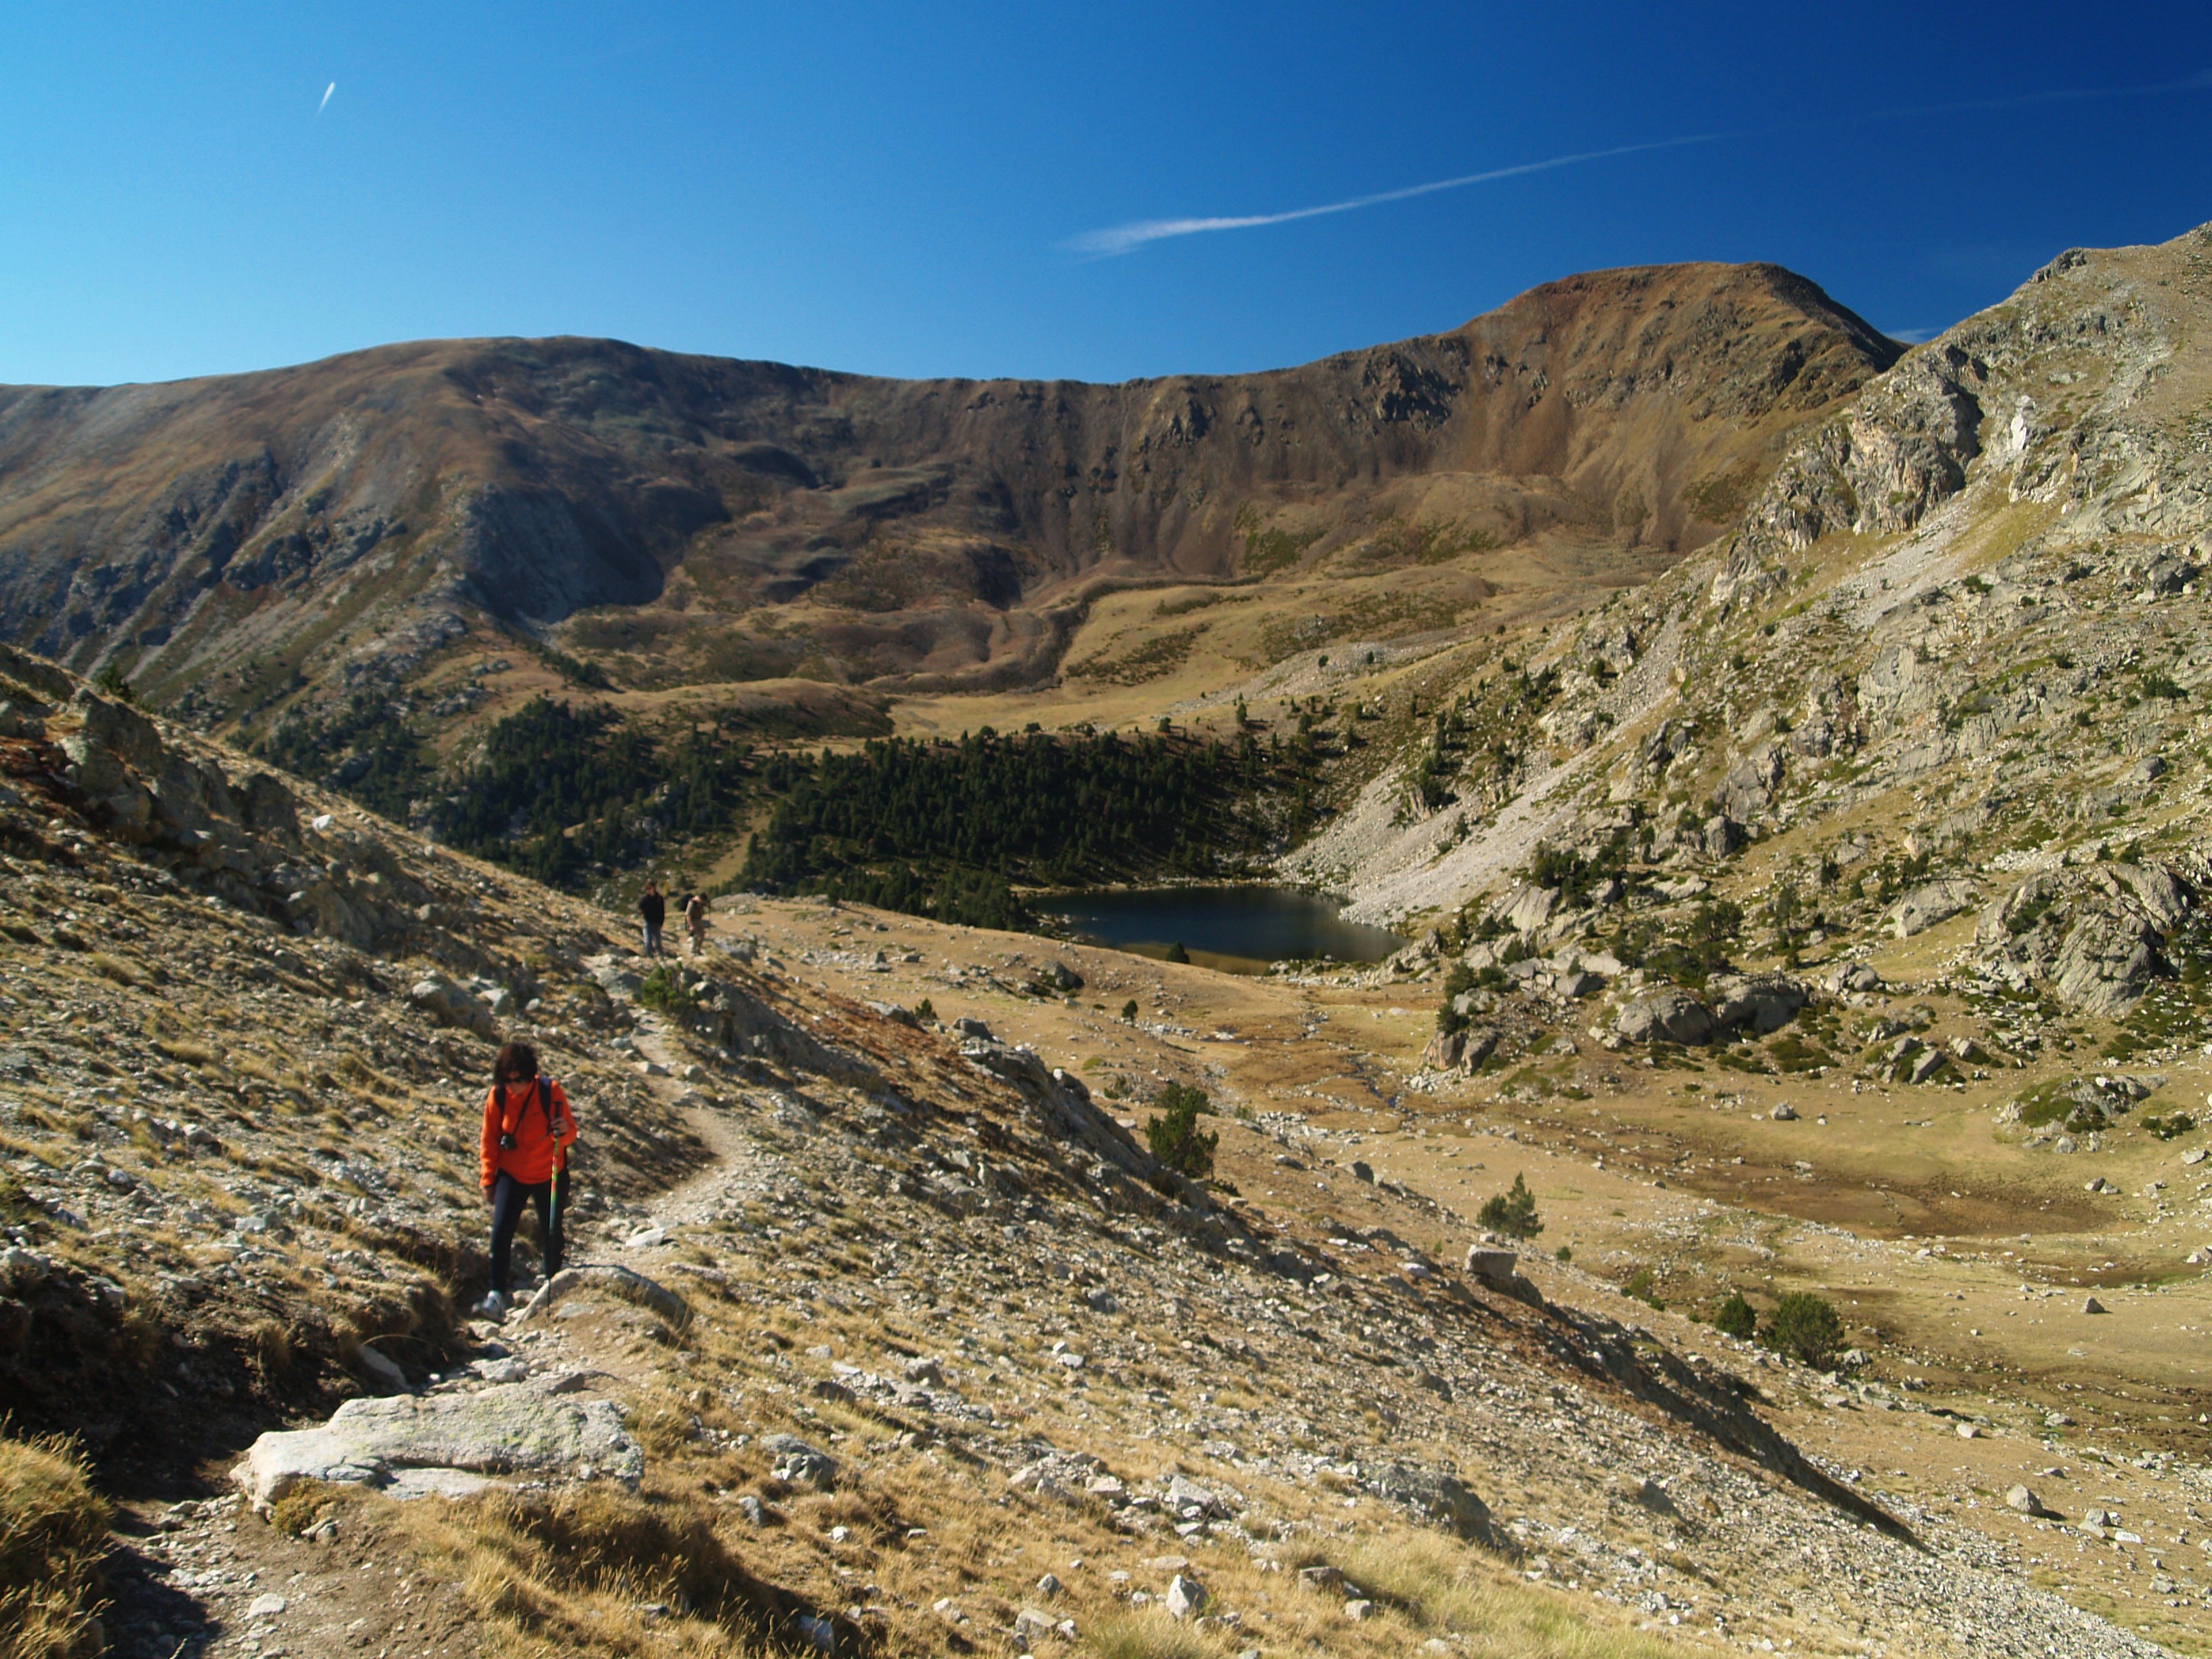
{"x":528,"y":1128}
{"x":654,"y":910}
{"x":694,"y":918}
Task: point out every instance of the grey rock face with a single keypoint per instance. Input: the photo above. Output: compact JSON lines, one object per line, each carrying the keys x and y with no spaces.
{"x":2108,"y":960}
{"x":2095,"y":936}
{"x":1924,"y":906}
{"x":1526,"y":908}
{"x":420,"y":1443}
{"x":1674,"y":1017}
{"x":451,"y":1005}
{"x":1721,"y":837}
{"x":1759,"y":1003}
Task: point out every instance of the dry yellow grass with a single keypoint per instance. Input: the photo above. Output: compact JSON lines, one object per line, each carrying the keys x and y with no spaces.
{"x":53,"y":1532}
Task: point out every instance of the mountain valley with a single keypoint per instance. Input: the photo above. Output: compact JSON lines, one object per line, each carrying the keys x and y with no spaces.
{"x":1786,"y":755}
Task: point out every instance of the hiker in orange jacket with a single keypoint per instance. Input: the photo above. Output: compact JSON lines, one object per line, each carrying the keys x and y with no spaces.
{"x":528,"y":1128}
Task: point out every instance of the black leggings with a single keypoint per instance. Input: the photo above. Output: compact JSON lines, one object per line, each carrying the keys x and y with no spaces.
{"x":507,"y":1196}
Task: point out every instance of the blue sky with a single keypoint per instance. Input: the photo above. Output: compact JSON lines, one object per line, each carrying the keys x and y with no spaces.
{"x":907,"y":191}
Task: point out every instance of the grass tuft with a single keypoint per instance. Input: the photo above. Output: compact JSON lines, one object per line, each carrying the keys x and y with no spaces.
{"x":53,"y":1534}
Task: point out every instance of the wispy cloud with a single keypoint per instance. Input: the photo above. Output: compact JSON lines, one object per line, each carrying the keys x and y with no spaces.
{"x":325,"y":104}
{"x":1117,"y":240}
{"x":1125,"y":239}
{"x":1912,"y":336}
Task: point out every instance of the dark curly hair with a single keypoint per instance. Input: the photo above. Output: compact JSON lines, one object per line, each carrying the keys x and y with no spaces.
{"x":516,"y":1062}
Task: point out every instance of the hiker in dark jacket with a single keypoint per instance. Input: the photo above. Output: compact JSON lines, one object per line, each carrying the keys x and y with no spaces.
{"x":528,"y":1127}
{"x":654,"y":910}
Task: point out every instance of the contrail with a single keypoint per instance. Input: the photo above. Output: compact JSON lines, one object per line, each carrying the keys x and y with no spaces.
{"x":1122,"y":239}
{"x":1117,"y":240}
{"x":325,"y":104}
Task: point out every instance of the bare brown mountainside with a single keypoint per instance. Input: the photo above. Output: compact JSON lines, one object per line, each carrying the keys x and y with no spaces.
{"x":698,"y":519}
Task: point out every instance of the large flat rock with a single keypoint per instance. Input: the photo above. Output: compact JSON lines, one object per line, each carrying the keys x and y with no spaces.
{"x":449,"y":1443}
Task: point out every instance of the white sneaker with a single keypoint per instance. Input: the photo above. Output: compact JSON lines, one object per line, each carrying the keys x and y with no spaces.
{"x":494,"y":1306}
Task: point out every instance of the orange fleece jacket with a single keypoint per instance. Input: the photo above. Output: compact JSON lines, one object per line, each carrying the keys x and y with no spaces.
{"x":511,"y":1109}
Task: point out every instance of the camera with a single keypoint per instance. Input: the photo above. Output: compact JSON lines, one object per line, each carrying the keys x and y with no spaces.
{"x":506,"y":1143}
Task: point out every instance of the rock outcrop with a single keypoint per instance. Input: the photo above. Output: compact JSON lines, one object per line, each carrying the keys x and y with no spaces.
{"x":450,"y":1443}
{"x":2094,"y":937}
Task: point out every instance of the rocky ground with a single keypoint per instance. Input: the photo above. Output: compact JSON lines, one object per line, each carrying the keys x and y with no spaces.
{"x":918,"y":1324}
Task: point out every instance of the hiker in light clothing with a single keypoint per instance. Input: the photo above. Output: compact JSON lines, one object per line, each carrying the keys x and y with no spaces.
{"x":694,"y":918}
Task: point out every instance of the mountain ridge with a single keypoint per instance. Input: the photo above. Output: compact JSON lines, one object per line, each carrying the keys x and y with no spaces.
{"x":897,"y":528}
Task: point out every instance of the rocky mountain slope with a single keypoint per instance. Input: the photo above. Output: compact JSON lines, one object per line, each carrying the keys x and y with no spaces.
{"x":227,"y":542}
{"x":888,"y":1336}
{"x":1949,"y":663}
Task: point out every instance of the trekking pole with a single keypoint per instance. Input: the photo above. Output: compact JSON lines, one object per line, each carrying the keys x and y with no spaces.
{"x":553,"y":1201}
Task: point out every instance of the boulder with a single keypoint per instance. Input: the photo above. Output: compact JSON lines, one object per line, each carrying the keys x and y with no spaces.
{"x":451,"y":1005}
{"x":969,"y":1027}
{"x":623,"y":1282}
{"x":1759,"y":1003}
{"x":1526,"y":908}
{"x":2094,"y":935}
{"x":1435,"y":1495}
{"x":1924,"y":907}
{"x":2108,"y":959}
{"x":1463,"y":1051}
{"x":414,"y":1443}
{"x":1748,"y":788}
{"x":121,"y":732}
{"x":1492,"y":1264}
{"x":1721,"y":836}
{"x":1186,"y":1598}
{"x":1674,"y":1017}
{"x":1854,"y":976}
{"x":1060,"y":977}
{"x":799,"y":1463}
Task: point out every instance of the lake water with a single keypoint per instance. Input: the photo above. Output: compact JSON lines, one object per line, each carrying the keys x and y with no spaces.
{"x":1241,"y":929}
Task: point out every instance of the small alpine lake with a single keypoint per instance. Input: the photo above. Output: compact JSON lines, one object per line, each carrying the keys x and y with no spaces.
{"x":1241,"y":929}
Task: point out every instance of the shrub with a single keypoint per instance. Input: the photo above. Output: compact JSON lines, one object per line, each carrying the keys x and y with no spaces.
{"x":925,"y":1011}
{"x":53,"y":1532}
{"x":1457,"y":983}
{"x":1806,"y":1327}
{"x":1512,"y":1212}
{"x":111,"y":681}
{"x":1129,"y":1012}
{"x":665,"y":990}
{"x":1644,"y":1285}
{"x":1734,"y":1317}
{"x":1176,"y":953}
{"x":1174,"y":1135}
{"x":2170,"y":1129}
